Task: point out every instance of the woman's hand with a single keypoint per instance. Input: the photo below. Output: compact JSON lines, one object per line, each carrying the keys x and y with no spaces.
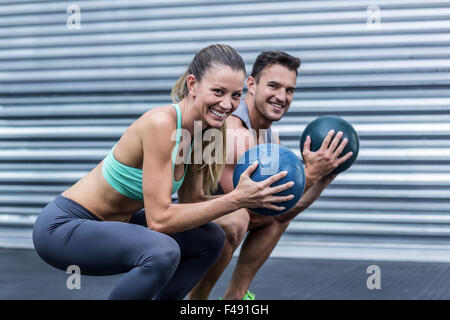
{"x":251,"y":194}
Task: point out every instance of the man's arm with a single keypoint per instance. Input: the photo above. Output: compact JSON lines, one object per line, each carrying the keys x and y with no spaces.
{"x":307,"y":199}
{"x":313,"y":190}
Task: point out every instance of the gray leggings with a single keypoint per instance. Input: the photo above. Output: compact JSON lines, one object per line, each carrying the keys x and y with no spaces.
{"x":157,"y":265}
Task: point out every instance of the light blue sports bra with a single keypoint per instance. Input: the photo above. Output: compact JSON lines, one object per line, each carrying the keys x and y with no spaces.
{"x":128,"y":180}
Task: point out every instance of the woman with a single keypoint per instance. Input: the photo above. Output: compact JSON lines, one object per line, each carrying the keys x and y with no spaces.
{"x":120,"y":218}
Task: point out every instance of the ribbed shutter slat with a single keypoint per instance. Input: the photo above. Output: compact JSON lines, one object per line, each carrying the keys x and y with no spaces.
{"x":66,"y":96}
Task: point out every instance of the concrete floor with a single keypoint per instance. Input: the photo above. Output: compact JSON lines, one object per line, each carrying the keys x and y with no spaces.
{"x":23,"y":275}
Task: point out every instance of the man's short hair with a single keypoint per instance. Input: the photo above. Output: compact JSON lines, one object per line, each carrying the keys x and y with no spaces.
{"x":268,"y":58}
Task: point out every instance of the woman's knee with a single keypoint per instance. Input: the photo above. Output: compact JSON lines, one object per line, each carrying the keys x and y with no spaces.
{"x":212,"y":235}
{"x":165,"y":256}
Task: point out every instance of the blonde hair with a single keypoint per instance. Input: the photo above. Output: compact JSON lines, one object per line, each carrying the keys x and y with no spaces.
{"x":204,"y":60}
{"x":212,"y":170}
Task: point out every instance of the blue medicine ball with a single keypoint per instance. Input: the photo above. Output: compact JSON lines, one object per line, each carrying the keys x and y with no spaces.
{"x":273,"y":158}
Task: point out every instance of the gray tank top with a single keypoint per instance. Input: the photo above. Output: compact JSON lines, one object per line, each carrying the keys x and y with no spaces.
{"x":242,"y":113}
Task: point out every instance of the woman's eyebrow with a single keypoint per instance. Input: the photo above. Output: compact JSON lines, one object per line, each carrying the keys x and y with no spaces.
{"x":225,"y":89}
{"x":216,"y":85}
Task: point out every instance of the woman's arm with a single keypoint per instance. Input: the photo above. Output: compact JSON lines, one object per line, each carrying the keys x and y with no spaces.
{"x":191,"y":191}
{"x":164,"y":216}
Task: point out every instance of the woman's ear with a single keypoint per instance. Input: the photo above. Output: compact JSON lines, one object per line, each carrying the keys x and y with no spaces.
{"x":192,"y":85}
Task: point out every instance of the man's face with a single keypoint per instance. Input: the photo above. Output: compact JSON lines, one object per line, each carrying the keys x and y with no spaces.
{"x":274,"y":91}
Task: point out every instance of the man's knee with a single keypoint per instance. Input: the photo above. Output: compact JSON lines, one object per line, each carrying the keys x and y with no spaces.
{"x":277,"y":228}
{"x":283,"y":225}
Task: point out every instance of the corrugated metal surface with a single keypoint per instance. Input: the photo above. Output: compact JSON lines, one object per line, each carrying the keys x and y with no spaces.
{"x":66,"y":95}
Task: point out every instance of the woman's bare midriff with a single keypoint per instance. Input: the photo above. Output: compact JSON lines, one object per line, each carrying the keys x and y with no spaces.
{"x":95,"y":194}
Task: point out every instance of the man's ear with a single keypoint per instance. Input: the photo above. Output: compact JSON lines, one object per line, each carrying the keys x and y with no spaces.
{"x":251,"y":84}
{"x":192,"y":85}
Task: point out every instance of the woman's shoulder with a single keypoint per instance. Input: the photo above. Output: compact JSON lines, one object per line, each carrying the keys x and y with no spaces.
{"x":155,"y":128}
{"x":159,"y":118}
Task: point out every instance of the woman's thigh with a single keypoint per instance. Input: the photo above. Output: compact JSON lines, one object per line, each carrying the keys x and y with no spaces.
{"x":99,"y":247}
{"x":194,"y":241}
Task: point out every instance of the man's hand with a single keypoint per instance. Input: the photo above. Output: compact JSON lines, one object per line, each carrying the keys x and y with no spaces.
{"x":322,"y":162}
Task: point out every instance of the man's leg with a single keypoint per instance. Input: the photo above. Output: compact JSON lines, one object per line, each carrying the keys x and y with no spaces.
{"x":255,"y":250}
{"x":235,"y":226}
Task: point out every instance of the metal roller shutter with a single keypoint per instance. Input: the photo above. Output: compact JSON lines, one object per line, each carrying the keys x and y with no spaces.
{"x":66,"y":95}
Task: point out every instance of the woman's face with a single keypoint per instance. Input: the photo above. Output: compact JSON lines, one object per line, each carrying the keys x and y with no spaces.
{"x":218,"y":94}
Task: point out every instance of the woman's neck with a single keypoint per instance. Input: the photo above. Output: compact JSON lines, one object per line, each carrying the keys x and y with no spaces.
{"x":190,"y":117}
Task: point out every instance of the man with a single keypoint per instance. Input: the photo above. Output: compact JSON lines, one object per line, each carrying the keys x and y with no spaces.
{"x":270,"y":91}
